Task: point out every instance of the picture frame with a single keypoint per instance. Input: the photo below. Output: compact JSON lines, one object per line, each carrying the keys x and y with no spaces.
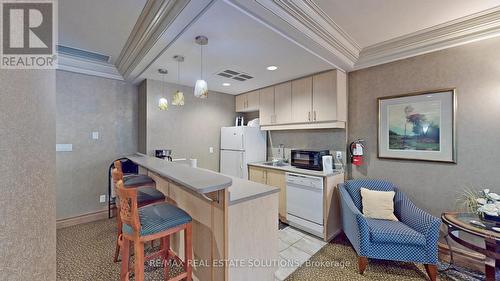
{"x":418,"y":126}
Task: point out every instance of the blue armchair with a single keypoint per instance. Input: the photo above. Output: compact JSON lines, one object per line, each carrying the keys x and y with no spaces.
{"x":414,"y":238}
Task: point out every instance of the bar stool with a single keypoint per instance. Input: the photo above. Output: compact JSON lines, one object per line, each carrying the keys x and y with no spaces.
{"x":133,"y":180}
{"x":149,"y":223}
{"x":146,"y":195}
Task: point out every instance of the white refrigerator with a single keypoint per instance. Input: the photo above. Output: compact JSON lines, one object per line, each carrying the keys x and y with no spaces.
{"x":240,"y":146}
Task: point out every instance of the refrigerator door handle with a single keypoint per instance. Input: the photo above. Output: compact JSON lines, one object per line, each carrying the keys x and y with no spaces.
{"x":241,"y":166}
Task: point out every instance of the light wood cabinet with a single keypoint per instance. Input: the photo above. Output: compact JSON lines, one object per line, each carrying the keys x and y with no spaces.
{"x":283,"y":103}
{"x":313,"y":102}
{"x":274,"y":178}
{"x":257,"y":175}
{"x":253,"y":101}
{"x":302,"y":100}
{"x":247,"y":102}
{"x":277,"y":179}
{"x":241,"y":102}
{"x":329,"y":102}
{"x":266,"y":106}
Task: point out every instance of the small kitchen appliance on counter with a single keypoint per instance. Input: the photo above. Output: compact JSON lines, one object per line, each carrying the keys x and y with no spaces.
{"x":308,"y":159}
{"x":164,"y":153}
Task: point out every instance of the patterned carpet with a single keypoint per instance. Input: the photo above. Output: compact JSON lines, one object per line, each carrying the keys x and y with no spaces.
{"x":338,"y":261}
{"x":85,"y":252}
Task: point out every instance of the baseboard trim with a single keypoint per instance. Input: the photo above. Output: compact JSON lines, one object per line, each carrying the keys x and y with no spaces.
{"x":85,"y":218}
{"x":462,"y":257}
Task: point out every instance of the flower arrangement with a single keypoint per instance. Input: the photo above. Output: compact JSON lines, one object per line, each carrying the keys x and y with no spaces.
{"x":483,"y":203}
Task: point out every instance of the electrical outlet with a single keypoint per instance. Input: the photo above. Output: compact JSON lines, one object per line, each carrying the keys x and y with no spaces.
{"x":211,"y":149}
{"x":338,"y":155}
{"x":102,"y":199}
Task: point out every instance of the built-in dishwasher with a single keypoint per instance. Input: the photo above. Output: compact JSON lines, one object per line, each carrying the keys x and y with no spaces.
{"x":304,"y":202}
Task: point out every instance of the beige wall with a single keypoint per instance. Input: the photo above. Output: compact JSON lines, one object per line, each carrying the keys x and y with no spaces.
{"x":27,"y":175}
{"x":474,"y":70}
{"x":86,"y":104}
{"x":188,"y":130}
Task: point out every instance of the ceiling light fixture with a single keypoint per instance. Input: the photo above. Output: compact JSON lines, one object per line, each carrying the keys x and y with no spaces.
{"x":163,"y":102}
{"x":272,"y":67}
{"x":201,"y":87}
{"x":226,"y":84}
{"x":178,"y":98}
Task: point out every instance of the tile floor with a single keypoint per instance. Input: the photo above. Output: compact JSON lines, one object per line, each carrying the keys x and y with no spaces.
{"x":295,"y":247}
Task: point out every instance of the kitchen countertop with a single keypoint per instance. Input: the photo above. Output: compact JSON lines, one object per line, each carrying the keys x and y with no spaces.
{"x":203,"y":180}
{"x":293,"y":169}
{"x":198,"y":180}
{"x":245,"y":190}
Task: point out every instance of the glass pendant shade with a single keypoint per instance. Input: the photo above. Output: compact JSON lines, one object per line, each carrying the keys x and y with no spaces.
{"x":163,"y":104}
{"x":178,"y":98}
{"x":201,"y":89}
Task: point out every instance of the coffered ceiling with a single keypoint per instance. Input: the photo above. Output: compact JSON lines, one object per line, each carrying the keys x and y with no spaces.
{"x":370,"y":22}
{"x":299,"y":36}
{"x":100,"y":26}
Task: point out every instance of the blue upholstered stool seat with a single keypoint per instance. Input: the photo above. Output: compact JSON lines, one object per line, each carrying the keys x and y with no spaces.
{"x":159,"y":217}
{"x":386,"y":231}
{"x":137,"y":180}
{"x":146,"y":194}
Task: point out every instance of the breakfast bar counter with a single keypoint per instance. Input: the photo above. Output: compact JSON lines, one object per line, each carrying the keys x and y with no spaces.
{"x":235,"y":221}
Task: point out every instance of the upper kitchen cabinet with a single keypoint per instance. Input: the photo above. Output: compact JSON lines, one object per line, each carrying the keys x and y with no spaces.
{"x":302,"y":100}
{"x":266,"y":106}
{"x":314,"y":102}
{"x":283,"y":103}
{"x":247,"y":102}
{"x":329,"y":102}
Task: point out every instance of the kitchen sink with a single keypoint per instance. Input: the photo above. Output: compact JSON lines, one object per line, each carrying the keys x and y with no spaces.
{"x":277,"y":164}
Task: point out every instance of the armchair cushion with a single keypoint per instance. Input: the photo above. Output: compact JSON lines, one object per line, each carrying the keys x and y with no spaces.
{"x":378,"y":204}
{"x":393,"y":232}
{"x":354,"y":188}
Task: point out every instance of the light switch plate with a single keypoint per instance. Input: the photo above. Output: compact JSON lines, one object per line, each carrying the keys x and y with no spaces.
{"x":102,"y":199}
{"x":211,"y":149}
{"x":95,"y":135}
{"x":64,"y":147}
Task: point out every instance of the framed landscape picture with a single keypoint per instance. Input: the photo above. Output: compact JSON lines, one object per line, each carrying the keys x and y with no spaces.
{"x":418,"y":126}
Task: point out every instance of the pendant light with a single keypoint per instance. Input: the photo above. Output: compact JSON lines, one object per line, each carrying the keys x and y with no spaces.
{"x":201,"y":87}
{"x":163,"y":102}
{"x":178,"y":98}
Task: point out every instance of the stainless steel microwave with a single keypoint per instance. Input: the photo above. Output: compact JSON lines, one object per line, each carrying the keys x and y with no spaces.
{"x":308,"y":159}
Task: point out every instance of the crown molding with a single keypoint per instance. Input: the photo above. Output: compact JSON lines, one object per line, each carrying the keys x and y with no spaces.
{"x":83,"y":66}
{"x":308,"y":18}
{"x":475,"y":27}
{"x":155,"y":18}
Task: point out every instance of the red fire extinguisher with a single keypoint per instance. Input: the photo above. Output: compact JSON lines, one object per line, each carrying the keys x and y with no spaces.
{"x":356,"y":148}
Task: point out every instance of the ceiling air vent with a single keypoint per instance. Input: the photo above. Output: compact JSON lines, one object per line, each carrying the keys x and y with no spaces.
{"x":233,"y":74}
{"x":73,"y":52}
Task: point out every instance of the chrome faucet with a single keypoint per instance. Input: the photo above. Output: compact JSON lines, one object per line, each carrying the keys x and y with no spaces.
{"x":282,"y":152}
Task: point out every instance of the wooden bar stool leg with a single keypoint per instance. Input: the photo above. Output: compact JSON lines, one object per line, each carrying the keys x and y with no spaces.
{"x":165,"y":260}
{"x":119,"y":225}
{"x":124,"y":272}
{"x":139,"y":260}
{"x":188,"y":243}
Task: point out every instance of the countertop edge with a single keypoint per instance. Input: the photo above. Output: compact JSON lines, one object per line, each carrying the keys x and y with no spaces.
{"x":198,"y":190}
{"x":296,"y":170}
{"x":254,"y":196}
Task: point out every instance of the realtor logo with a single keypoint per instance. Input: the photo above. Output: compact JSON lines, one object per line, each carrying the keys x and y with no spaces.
{"x":28,"y":35}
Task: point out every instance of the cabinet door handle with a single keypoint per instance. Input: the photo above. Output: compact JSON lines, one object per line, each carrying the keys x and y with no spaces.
{"x":309,"y":116}
{"x":315,"y":115}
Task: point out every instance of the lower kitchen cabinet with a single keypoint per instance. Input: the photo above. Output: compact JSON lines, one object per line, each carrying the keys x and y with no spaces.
{"x":274,"y":178}
{"x":331,"y":203}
